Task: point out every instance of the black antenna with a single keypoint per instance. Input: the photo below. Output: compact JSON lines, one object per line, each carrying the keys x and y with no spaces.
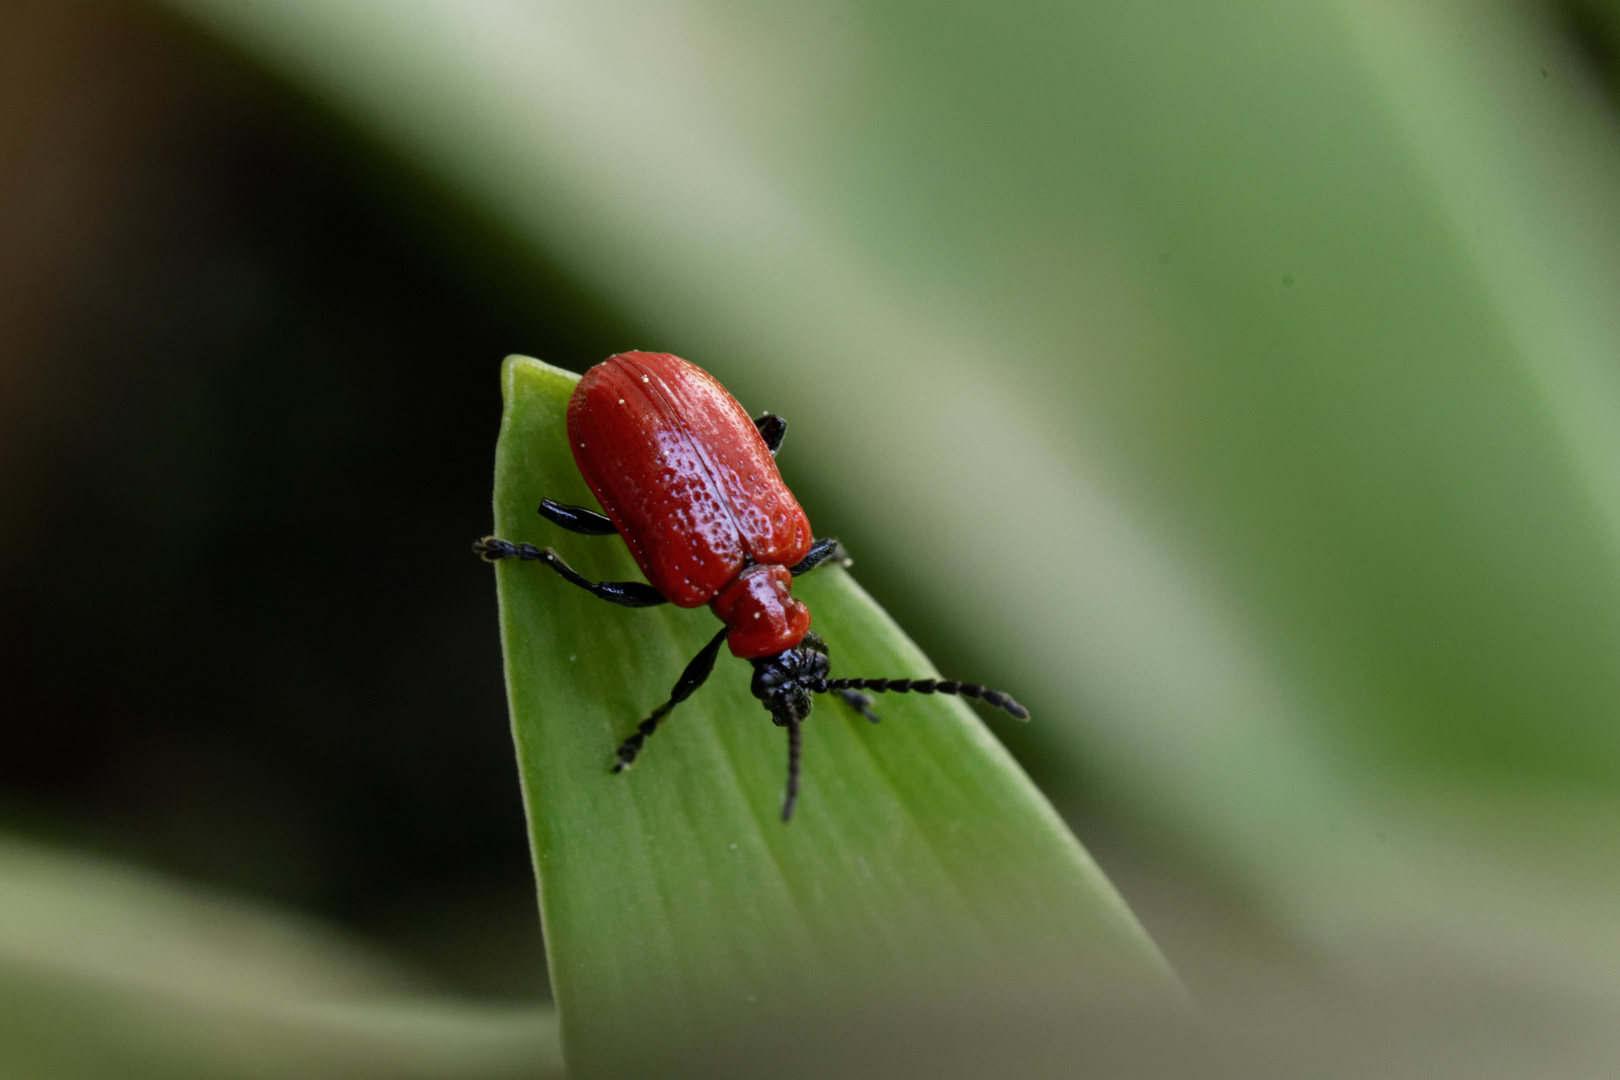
{"x":923,"y":686}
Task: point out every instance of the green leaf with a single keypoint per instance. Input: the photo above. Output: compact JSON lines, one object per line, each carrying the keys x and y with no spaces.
{"x":676,"y":903}
{"x":107,"y":971}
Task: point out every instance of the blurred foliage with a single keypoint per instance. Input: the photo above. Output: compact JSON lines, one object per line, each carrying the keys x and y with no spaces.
{"x":1237,"y":382}
{"x":105,"y":971}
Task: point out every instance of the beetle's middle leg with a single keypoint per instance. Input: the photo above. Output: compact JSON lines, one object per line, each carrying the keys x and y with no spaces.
{"x":624,"y":593}
{"x":822,"y":550}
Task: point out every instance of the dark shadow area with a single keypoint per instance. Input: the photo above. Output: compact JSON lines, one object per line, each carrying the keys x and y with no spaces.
{"x":1592,"y":28}
{"x":246,"y":436}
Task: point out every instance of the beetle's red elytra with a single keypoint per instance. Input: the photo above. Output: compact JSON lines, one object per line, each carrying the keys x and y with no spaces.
{"x":687,"y":480}
{"x":691,"y":485}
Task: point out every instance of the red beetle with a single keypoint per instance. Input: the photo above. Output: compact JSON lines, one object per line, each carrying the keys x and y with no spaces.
{"x":691,"y":484}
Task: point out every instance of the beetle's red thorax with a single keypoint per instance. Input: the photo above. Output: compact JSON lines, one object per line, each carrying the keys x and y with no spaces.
{"x":761,"y":611}
{"x":683,"y":474}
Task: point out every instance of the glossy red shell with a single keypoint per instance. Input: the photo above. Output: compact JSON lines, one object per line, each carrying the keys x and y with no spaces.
{"x":761,"y":611}
{"x":684,"y":475}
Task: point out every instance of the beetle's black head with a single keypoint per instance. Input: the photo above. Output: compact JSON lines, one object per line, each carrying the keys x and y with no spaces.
{"x":786,"y":682}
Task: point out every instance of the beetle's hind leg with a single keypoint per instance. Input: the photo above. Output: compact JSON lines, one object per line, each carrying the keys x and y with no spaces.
{"x":576,"y":519}
{"x":696,"y":673}
{"x":773,"y":429}
{"x":623,"y":593}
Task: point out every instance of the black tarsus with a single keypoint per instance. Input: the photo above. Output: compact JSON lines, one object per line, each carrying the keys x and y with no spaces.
{"x":773,"y":429}
{"x":820,"y":551}
{"x":696,"y":673}
{"x":925,"y":686}
{"x":634,"y":594}
{"x":576,"y":519}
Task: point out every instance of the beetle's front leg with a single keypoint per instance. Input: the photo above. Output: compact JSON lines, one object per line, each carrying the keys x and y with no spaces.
{"x":696,"y":673}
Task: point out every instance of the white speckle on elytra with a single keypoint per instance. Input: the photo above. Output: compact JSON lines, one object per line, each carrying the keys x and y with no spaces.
{"x":645,"y":379}
{"x":756,"y":614}
{"x":621,"y":401}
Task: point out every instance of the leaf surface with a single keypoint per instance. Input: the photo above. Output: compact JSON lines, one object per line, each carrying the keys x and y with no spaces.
{"x":676,"y":902}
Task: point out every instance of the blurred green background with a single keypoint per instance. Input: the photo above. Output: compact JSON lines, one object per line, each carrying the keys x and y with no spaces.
{"x":1239,"y":383}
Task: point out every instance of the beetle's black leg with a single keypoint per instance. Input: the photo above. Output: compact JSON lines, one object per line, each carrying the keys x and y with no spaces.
{"x":860,"y":702}
{"x":773,"y":429}
{"x":625,"y":593}
{"x":692,"y":678}
{"x":820,"y":551}
{"x":924,"y":686}
{"x":576,"y":519}
{"x":795,"y":752}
